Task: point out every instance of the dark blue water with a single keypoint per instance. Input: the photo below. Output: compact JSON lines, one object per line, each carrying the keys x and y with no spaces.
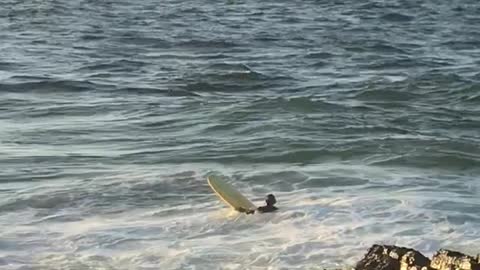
{"x":363,"y":117}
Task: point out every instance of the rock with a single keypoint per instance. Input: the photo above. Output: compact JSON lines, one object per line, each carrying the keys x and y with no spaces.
{"x":414,"y":260}
{"x":453,"y":260}
{"x":383,"y":257}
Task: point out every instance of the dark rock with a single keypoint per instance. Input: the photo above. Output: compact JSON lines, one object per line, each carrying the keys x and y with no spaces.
{"x":414,"y":260}
{"x":453,"y":260}
{"x":382,"y":257}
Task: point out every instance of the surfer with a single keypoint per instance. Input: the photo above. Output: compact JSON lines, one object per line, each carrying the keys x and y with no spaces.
{"x":269,"y":207}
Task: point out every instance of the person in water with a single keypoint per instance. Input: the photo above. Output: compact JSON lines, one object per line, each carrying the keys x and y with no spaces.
{"x":269,"y":207}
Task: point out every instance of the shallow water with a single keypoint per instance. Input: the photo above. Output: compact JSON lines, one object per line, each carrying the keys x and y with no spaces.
{"x":363,"y":117}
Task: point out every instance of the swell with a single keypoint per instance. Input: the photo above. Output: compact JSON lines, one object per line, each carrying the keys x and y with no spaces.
{"x":304,"y":104}
{"x":120,"y":65}
{"x":50,"y":85}
{"x":60,"y":87}
{"x":108,"y":197}
{"x":396,"y":17}
{"x":230,"y":78}
{"x":207,"y":44}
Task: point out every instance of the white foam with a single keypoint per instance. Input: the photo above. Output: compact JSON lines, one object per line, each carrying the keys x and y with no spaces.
{"x":315,"y":227}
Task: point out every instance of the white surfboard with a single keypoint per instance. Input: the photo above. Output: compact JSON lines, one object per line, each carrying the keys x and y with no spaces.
{"x":229,"y":194}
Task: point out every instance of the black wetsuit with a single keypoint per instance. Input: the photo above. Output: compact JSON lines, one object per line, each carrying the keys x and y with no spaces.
{"x":261,"y":209}
{"x":267,"y":208}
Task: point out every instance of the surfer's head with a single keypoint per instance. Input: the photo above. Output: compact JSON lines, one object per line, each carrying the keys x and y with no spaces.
{"x":271,"y":200}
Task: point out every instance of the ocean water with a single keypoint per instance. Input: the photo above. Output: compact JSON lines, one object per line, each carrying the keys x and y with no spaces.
{"x":362,"y":117}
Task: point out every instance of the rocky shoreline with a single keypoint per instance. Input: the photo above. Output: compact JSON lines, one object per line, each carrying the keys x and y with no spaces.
{"x":384,"y":257}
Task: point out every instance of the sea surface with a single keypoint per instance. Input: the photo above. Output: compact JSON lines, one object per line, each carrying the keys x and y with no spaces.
{"x":362,"y":117}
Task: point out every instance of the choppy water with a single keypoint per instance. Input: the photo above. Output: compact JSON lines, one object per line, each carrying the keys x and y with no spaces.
{"x":362,"y":117}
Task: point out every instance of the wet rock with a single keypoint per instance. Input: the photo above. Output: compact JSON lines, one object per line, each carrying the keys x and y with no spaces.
{"x":414,"y":260}
{"x":383,"y":257}
{"x":453,"y":260}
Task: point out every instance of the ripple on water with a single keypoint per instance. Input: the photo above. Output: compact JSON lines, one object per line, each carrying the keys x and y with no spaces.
{"x":362,"y":118}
